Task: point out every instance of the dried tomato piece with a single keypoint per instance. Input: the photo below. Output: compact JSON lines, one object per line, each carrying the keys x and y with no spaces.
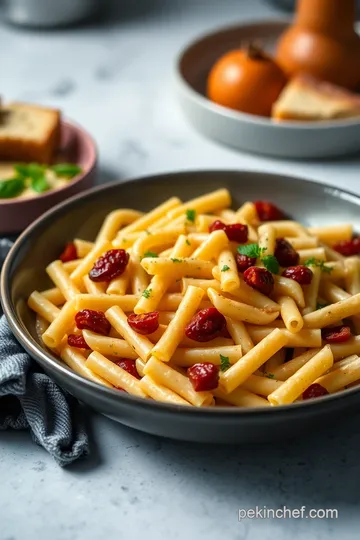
{"x":203,"y":376}
{"x":336,"y":334}
{"x":128,"y":365}
{"x":300,"y":274}
{"x":236,"y":232}
{"x":206,"y":325}
{"x":285,"y":253}
{"x":243,"y":262}
{"x":145,"y":323}
{"x":260,"y":279}
{"x":315,"y":390}
{"x":348,"y":247}
{"x":267,"y":211}
{"x":110,"y":265}
{"x":95,"y":321}
{"x":69,"y":253}
{"x":77,"y":341}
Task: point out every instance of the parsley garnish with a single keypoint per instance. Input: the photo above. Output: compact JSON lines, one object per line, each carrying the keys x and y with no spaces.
{"x":251,"y":250}
{"x":320,"y":306}
{"x":176,"y":260}
{"x":269,"y":375}
{"x":150,"y":254}
{"x":254,"y":251}
{"x":271,"y":263}
{"x":318,"y":264}
{"x":225,"y":268}
{"x":188,"y":242}
{"x":224,"y":362}
{"x":147,"y":293}
{"x":191,"y":215}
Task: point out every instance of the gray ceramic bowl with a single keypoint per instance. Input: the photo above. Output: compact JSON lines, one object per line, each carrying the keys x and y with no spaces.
{"x":246,"y":131}
{"x":82,"y":215}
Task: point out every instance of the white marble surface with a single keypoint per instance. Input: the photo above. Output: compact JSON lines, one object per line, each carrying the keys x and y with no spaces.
{"x":114,"y":77}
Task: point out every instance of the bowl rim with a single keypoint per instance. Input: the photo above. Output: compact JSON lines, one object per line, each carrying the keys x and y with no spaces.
{"x":92,"y":160}
{"x":261,"y":121}
{"x":46,"y":359}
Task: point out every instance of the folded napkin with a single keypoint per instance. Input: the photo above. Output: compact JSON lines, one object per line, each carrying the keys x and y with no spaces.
{"x":29,"y":399}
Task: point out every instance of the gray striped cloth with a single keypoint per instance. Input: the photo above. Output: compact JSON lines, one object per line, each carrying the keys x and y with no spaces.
{"x":29,"y":399}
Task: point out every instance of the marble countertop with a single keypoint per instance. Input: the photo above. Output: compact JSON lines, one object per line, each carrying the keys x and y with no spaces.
{"x":114,"y":78}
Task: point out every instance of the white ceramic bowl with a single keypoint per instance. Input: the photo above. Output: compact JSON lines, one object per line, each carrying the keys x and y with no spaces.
{"x":245,"y":131}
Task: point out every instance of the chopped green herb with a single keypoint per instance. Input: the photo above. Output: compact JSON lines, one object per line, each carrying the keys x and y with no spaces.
{"x":191,"y":215}
{"x":147,"y":232}
{"x":225,"y":268}
{"x":66,"y":169}
{"x":269,"y":375}
{"x":254,"y":251}
{"x":271,"y":263}
{"x":320,"y":306}
{"x":11,"y":188}
{"x":251,"y":250}
{"x":224,"y":362}
{"x":188,"y":242}
{"x":40,"y":184}
{"x":176,"y":260}
{"x":150,"y":254}
{"x":319,"y":264}
{"x":30,"y":170}
{"x":147,"y":293}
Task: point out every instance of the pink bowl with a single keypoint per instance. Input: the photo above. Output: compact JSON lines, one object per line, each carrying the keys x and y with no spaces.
{"x":76,"y":146}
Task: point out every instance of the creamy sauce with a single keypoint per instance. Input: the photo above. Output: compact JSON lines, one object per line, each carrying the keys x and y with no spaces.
{"x":55,"y":182}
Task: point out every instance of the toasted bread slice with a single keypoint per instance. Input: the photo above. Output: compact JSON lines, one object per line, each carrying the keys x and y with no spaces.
{"x":29,"y":132}
{"x":306,"y":98}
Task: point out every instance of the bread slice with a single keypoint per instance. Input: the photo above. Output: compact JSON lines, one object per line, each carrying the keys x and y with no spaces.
{"x":29,"y":132}
{"x":306,"y":98}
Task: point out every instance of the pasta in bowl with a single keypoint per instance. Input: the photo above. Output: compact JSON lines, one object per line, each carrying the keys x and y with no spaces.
{"x":197,"y":304}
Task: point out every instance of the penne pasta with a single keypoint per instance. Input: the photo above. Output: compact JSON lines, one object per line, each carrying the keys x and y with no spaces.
{"x":341,"y":377}
{"x":160,"y":393}
{"x":162,"y":322}
{"x":140,"y":344}
{"x":169,"y":341}
{"x":239,"y":311}
{"x":176,"y":381}
{"x":178,"y":268}
{"x":316,"y":253}
{"x":115,"y":221}
{"x":186,"y":357}
{"x":303,"y":338}
{"x":242,"y":398}
{"x":60,"y":326}
{"x":61,"y":279}
{"x":295,"y":385}
{"x":109,"y":346}
{"x":288,"y":287}
{"x":290,"y":314}
{"x":238,"y":373}
{"x":114,"y":374}
{"x":332,"y":234}
{"x":43,"y":307}
{"x":212,"y":246}
{"x":229,"y":278}
{"x":333,"y":313}
{"x":77,"y":362}
{"x":239,"y":334}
